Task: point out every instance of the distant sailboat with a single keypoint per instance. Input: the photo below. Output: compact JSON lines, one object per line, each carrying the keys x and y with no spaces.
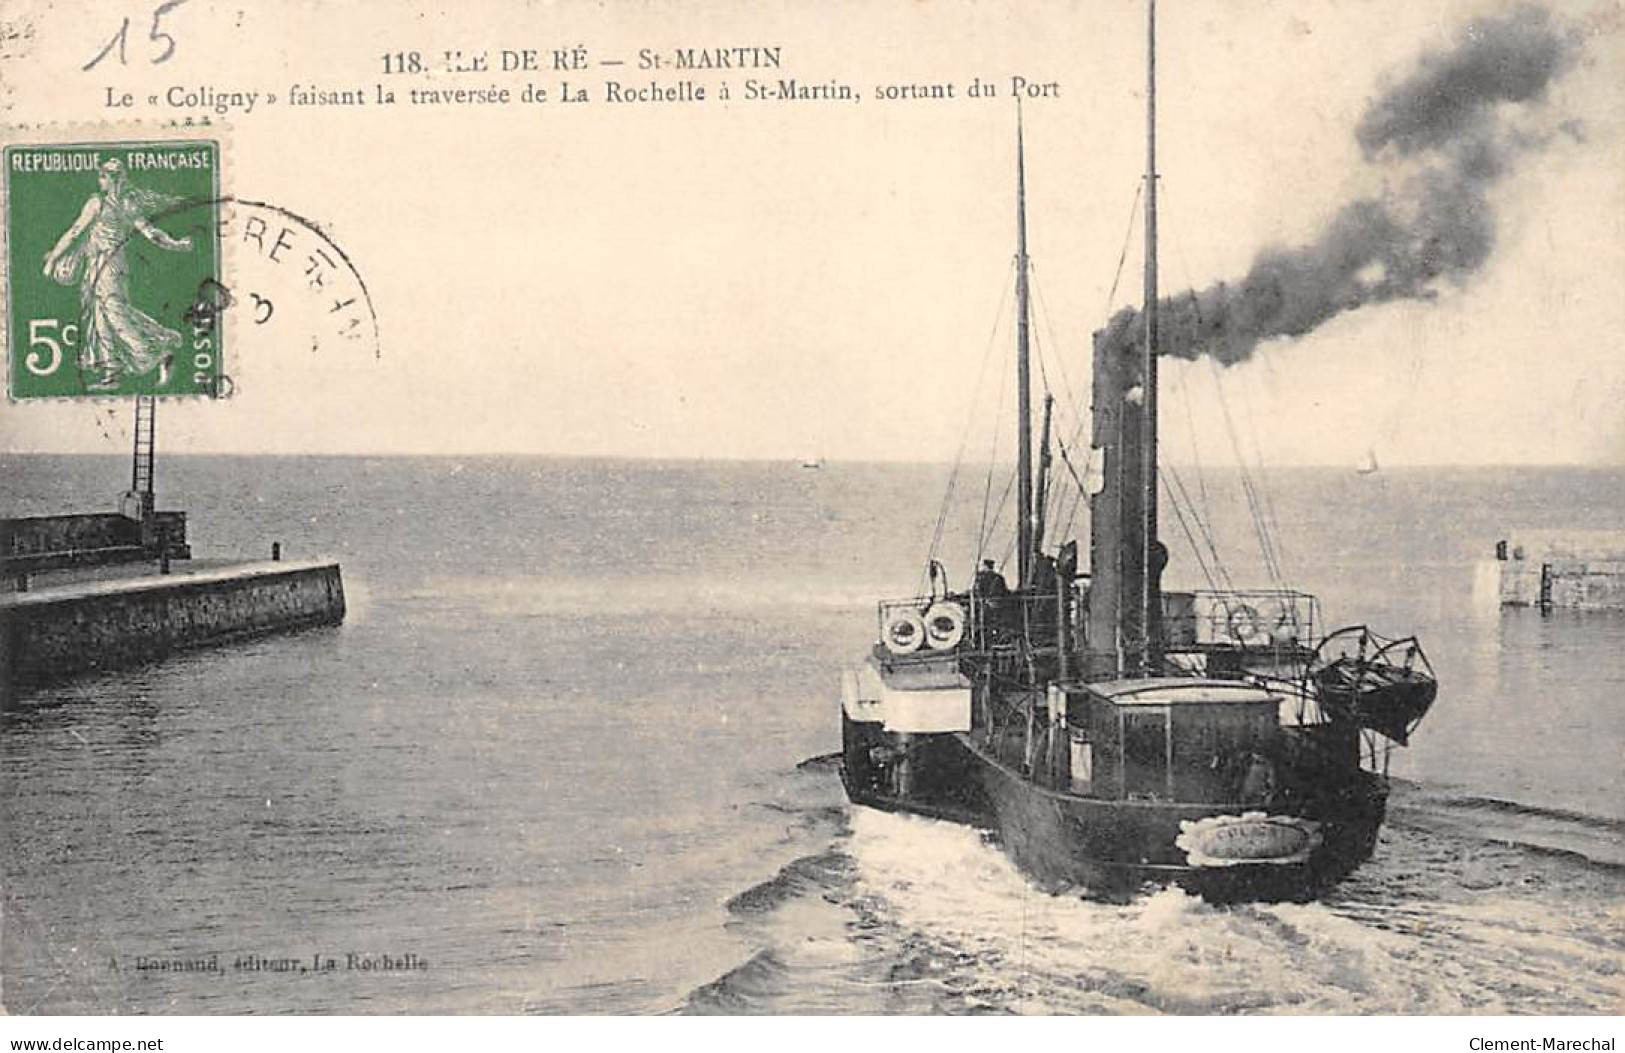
{"x":812,"y":462}
{"x":1369,"y":466}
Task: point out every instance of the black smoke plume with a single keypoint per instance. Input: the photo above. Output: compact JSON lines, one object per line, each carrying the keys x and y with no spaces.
{"x":1444,"y":135}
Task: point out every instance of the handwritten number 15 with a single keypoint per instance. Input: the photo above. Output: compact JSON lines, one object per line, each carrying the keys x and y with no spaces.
{"x":154,"y":34}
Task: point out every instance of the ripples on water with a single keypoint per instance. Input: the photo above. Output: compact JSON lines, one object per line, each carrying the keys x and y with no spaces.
{"x":556,"y":750}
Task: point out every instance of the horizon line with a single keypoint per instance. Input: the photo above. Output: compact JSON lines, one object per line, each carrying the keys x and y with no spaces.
{"x":799,"y":462}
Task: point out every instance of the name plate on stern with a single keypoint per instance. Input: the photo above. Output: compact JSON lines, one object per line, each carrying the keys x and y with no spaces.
{"x":1249,"y":838}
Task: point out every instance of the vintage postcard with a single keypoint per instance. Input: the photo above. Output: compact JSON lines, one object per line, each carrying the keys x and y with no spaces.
{"x":852,"y":509}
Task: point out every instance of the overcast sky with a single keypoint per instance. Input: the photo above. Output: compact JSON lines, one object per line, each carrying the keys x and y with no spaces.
{"x":765,"y":279}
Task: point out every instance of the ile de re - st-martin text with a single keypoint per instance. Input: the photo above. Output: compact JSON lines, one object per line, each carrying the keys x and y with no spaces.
{"x":459,"y":79}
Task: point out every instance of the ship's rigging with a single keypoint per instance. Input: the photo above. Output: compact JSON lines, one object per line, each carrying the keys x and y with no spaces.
{"x":1063,"y":478}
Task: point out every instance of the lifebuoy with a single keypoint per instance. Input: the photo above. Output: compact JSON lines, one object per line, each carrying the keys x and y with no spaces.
{"x":944,"y":625}
{"x":1278,"y":623}
{"x":903,"y":631}
{"x":1244,"y":625}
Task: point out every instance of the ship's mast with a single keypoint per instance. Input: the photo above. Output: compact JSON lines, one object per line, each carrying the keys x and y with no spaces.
{"x":1150,"y":598}
{"x":1024,"y":420}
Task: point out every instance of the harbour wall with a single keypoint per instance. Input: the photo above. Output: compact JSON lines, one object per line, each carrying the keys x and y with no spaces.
{"x":38,"y":543}
{"x":1578,"y":570}
{"x":55,"y":633}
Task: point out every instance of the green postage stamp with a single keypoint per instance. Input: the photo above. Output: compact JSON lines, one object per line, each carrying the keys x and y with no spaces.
{"x":112,"y":258}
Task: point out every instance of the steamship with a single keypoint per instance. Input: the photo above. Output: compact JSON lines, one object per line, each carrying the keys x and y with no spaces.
{"x":1109,"y":733}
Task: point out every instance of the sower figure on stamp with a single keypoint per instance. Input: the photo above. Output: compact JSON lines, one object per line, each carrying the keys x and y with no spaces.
{"x":117,"y":338}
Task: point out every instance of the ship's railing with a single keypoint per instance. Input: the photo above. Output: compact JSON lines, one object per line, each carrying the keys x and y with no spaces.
{"x":984,"y":622}
{"x":1005,"y":621}
{"x":1250,"y":619}
{"x":1282,"y":621}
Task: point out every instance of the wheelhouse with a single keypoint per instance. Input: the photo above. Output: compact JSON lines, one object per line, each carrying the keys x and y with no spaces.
{"x":1169,"y":739}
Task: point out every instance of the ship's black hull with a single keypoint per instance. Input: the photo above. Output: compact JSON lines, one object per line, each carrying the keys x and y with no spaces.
{"x":1111,"y":848}
{"x":1103,"y":848}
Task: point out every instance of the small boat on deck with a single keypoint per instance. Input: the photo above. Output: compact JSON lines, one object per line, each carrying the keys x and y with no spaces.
{"x":1384,"y":685}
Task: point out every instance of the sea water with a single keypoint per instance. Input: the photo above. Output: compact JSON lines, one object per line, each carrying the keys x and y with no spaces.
{"x":569,"y":753}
